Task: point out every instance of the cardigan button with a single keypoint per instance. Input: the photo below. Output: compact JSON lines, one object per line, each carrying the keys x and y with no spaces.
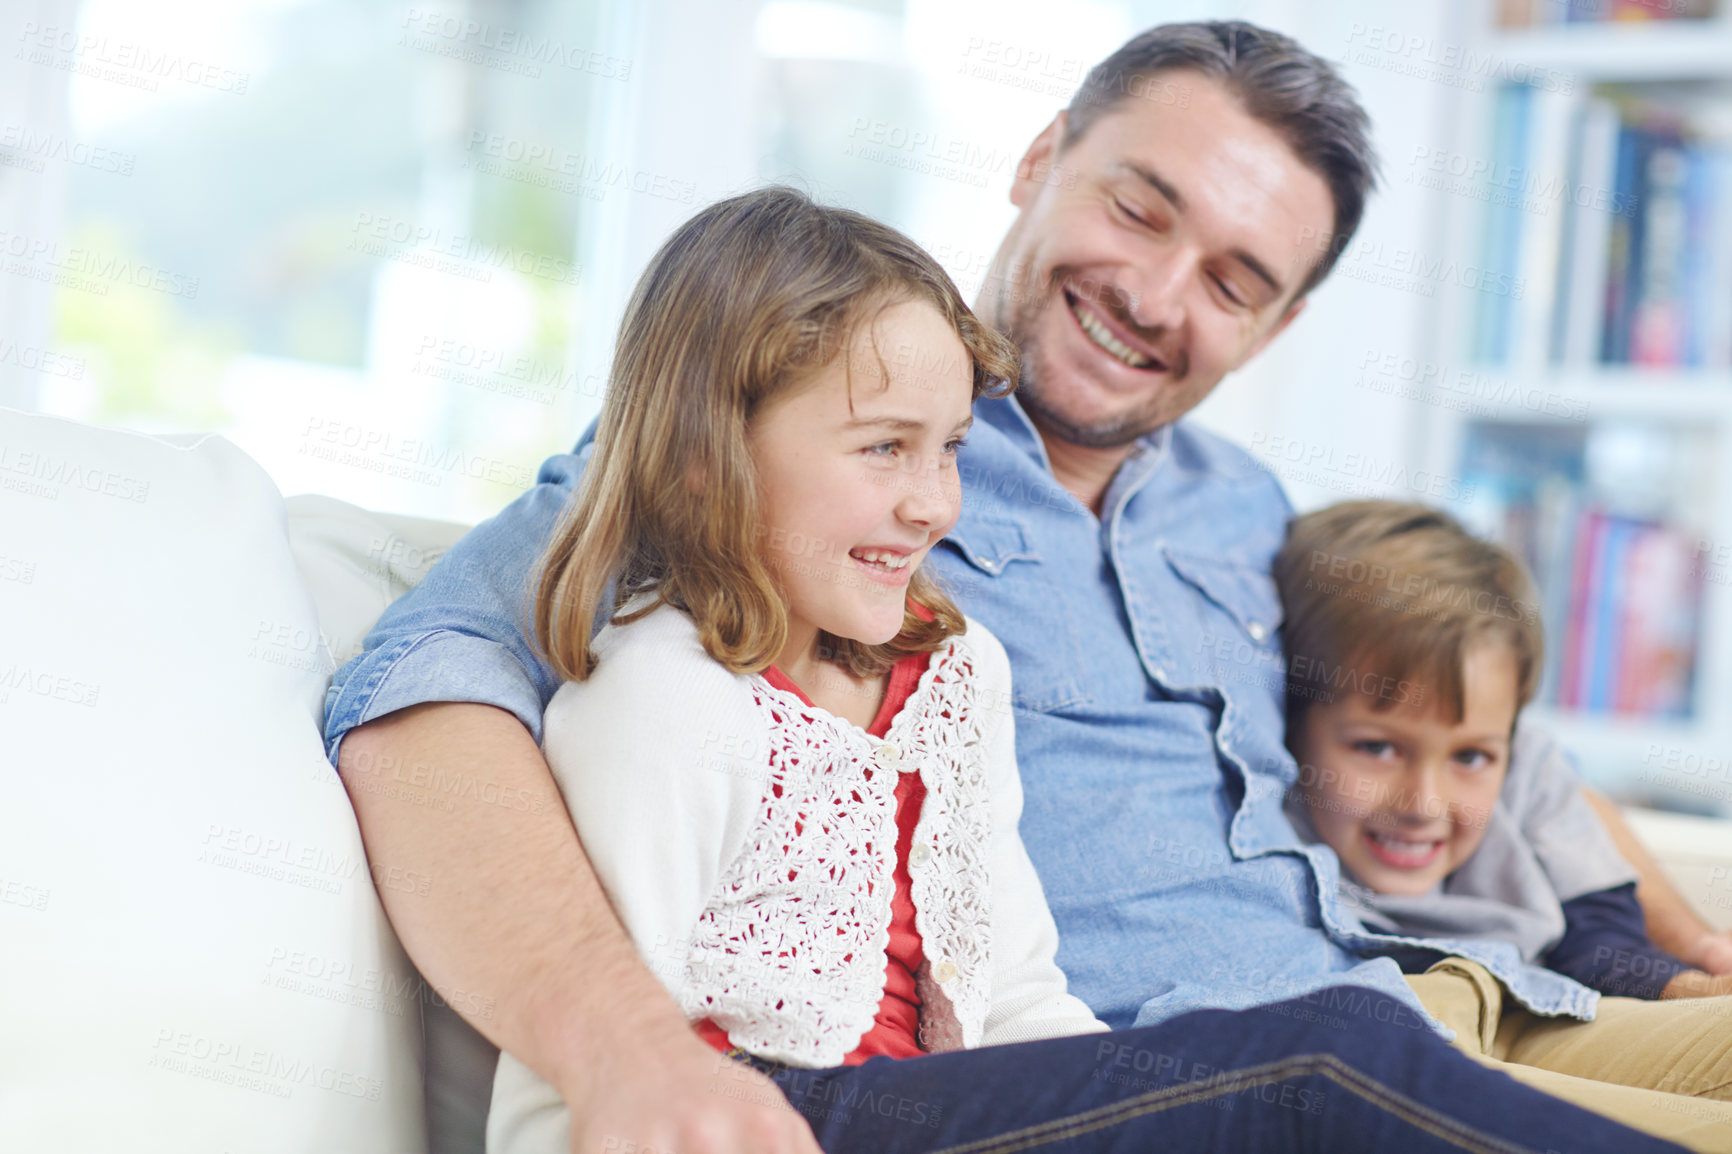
{"x":944,"y":971}
{"x":919,"y":855}
{"x":888,"y":755}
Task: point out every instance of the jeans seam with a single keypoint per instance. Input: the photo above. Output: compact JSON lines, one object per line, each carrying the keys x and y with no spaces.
{"x":1417,"y":1114}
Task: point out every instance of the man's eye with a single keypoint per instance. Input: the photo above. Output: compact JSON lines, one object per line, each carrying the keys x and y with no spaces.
{"x":1130,"y":212}
{"x":1228,"y":291}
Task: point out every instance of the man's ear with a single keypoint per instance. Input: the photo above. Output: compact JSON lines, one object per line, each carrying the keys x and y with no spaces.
{"x":1036,"y":164}
{"x":1293,"y":310}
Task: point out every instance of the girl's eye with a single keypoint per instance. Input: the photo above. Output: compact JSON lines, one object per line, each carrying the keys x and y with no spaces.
{"x":883,"y":448}
{"x":955,"y":443}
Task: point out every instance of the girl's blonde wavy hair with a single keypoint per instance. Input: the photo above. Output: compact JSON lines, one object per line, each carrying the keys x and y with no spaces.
{"x":745,"y":300}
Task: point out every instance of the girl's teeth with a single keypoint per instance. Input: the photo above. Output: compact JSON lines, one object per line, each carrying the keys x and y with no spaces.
{"x":886,"y":560}
{"x":1103,"y":337}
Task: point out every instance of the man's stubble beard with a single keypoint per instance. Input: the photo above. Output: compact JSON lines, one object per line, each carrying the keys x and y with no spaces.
{"x":1031,"y":392}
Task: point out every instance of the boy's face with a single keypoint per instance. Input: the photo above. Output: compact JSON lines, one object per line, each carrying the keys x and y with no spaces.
{"x":1402,"y":794}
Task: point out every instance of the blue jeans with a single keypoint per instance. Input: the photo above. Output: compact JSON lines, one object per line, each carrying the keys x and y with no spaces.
{"x":1275,"y":1078}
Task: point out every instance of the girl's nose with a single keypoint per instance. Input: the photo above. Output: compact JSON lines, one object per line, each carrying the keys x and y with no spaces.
{"x":931,"y":497}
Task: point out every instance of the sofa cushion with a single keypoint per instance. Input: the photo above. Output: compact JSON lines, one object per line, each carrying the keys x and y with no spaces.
{"x":194,"y":955}
{"x":355,"y":562}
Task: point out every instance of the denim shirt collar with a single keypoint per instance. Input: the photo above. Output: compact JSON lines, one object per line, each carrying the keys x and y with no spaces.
{"x":1007,"y":415}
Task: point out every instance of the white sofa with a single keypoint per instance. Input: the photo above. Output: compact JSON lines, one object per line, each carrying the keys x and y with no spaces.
{"x":193,"y":957}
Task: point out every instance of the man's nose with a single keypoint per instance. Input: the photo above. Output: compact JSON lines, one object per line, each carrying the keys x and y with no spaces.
{"x":1157,"y":291}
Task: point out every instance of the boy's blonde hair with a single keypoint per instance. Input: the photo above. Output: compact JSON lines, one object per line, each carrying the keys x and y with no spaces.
{"x":1381,"y":593}
{"x":744,"y":301}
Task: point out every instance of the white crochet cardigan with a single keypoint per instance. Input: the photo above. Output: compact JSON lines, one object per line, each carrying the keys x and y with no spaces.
{"x":747,"y":842}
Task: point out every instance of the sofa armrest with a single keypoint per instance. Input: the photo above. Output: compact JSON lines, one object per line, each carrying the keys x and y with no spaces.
{"x":1696,"y":854}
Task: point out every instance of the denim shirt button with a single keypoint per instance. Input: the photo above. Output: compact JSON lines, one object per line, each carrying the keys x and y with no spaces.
{"x":1257,"y":630}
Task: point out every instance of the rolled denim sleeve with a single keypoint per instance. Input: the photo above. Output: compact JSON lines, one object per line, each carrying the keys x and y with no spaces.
{"x":462,"y":634}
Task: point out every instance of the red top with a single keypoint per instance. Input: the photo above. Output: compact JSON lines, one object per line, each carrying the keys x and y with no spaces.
{"x":896,"y":1025}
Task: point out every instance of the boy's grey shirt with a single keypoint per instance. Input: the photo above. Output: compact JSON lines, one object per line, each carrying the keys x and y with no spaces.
{"x":1543,"y":846}
{"x":1148,"y":692}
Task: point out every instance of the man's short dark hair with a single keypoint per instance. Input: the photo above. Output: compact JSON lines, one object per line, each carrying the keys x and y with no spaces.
{"x":1293,"y":91}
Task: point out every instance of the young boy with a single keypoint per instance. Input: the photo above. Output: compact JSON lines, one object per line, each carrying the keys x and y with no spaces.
{"x":1412,"y":647}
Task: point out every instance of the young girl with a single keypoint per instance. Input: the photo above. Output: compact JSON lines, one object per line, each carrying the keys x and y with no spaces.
{"x":791,"y":760}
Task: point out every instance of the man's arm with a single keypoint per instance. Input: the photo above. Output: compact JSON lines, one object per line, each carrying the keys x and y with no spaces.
{"x":434,"y":729}
{"x":514,"y":918}
{"x":1671,"y":922}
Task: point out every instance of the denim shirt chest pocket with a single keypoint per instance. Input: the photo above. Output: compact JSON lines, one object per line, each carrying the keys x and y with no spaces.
{"x":1008,"y":585}
{"x":1238,"y":644}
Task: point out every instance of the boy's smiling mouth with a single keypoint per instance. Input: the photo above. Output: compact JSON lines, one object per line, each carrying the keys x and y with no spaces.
{"x":1401,"y":852}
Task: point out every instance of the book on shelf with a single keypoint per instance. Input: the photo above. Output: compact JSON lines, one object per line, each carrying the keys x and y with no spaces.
{"x":1543,"y":13}
{"x":1612,"y":212}
{"x":1619,"y":594}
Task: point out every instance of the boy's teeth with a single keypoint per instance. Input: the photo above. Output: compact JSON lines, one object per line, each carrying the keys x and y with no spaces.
{"x":1102,"y":336}
{"x":1396,"y":843}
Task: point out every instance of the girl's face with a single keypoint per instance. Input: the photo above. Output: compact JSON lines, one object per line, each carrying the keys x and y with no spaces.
{"x":854,"y":497}
{"x":1402,"y":794}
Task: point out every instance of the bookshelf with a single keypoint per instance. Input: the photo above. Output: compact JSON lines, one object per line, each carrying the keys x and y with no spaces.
{"x":1643,"y":53}
{"x":1598,"y":440}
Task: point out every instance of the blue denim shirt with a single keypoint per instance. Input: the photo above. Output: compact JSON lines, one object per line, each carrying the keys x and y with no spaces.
{"x":1148,"y":688}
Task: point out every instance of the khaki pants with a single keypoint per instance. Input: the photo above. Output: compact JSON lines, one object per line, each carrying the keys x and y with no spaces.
{"x":1664,"y":1068}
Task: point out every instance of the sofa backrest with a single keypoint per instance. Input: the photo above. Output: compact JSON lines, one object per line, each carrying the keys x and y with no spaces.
{"x":195,"y":958}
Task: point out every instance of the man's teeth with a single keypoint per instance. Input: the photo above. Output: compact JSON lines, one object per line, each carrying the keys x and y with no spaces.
{"x":879,"y":557}
{"x":1102,"y":336}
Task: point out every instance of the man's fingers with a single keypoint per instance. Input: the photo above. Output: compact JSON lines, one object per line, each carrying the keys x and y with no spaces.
{"x":1715,"y":954}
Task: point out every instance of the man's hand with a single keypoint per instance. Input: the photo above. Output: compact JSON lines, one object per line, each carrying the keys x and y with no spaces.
{"x":1712,"y":953}
{"x":679,"y":1096}
{"x":1696,"y":984}
{"x":515,"y":912}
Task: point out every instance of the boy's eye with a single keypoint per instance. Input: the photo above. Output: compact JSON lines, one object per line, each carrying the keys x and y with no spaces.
{"x":1374,"y":748}
{"x":1474,"y":758}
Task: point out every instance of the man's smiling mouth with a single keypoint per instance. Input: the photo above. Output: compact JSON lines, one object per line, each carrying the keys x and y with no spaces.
{"x":1097,"y":331}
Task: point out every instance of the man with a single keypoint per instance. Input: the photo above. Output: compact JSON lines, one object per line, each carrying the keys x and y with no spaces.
{"x":1116,"y":554}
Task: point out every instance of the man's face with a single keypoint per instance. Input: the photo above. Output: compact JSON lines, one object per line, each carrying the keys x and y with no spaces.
{"x":1154,"y":256}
